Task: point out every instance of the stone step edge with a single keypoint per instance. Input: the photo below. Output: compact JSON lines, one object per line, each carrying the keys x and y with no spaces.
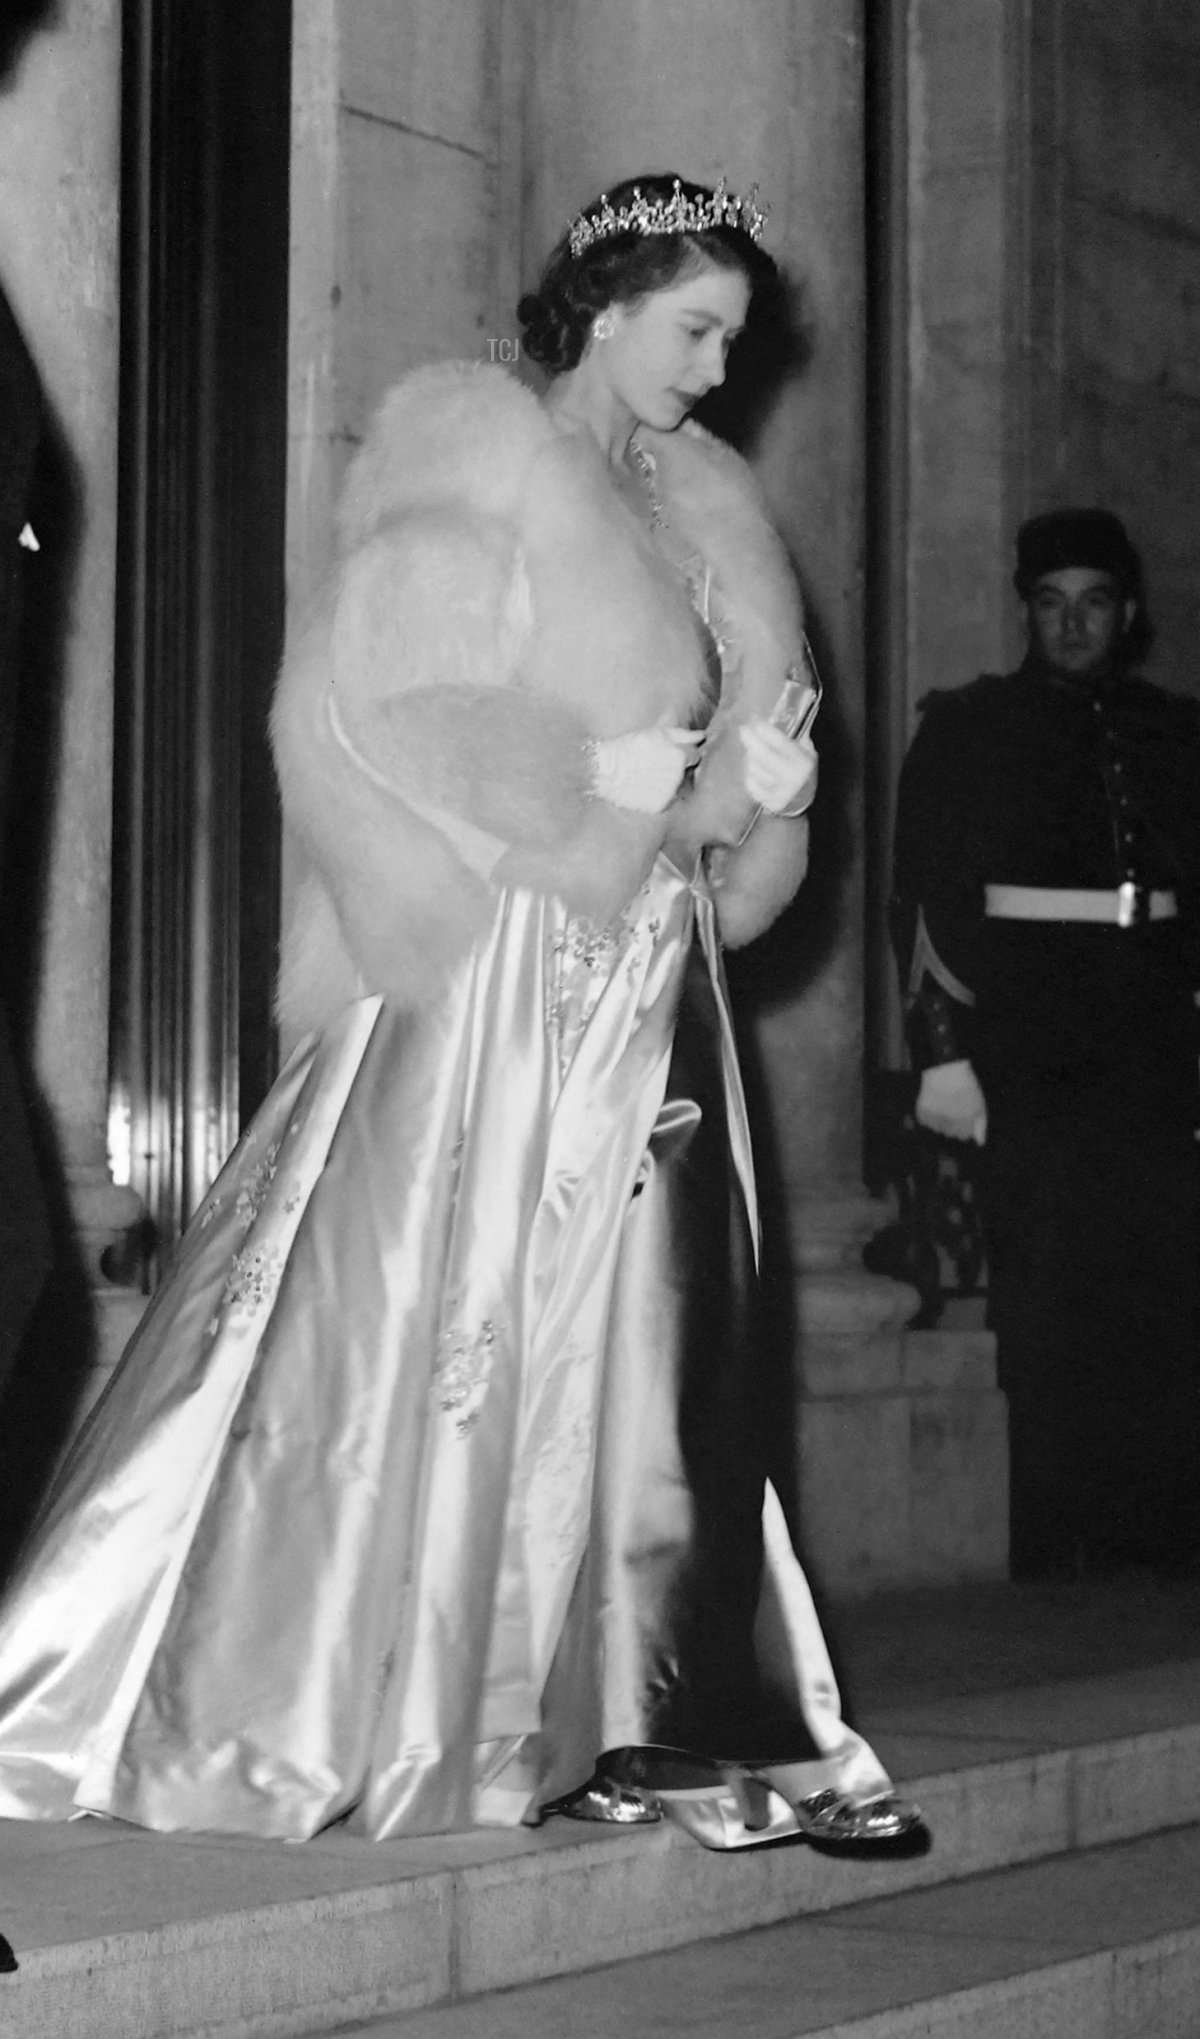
{"x":442,"y":1935}
{"x":1102,"y":1995}
{"x":1135,"y":1988}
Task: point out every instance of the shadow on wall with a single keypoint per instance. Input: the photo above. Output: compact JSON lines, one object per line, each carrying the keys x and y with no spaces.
{"x":46,"y":1329}
{"x":774,"y":349}
{"x":45,"y":1310}
{"x":22,"y":19}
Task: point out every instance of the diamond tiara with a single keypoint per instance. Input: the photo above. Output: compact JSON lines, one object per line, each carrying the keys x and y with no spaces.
{"x":674,"y":215}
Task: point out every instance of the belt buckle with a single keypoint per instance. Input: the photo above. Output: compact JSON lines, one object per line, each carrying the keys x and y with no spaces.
{"x":1133,"y":904}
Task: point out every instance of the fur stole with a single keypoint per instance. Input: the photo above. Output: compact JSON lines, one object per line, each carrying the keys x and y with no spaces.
{"x":493,"y":606}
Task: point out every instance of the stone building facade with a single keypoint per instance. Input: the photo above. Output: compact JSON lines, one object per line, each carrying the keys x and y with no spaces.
{"x":990,"y":213}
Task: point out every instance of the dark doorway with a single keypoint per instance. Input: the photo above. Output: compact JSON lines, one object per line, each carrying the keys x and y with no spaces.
{"x":200,"y":587}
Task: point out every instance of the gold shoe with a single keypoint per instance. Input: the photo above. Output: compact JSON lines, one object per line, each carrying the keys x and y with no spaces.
{"x":728,"y":1806}
{"x":722,"y":1805}
{"x":607,"y":1803}
{"x":883,"y":1826}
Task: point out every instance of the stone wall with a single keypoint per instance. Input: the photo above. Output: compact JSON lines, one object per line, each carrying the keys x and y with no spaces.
{"x":396,"y":250}
{"x":1053,"y":335}
{"x":964,"y":126}
{"x":949,"y":131}
{"x":1115,"y":269}
{"x":1043,"y":339}
{"x":1050,"y":348}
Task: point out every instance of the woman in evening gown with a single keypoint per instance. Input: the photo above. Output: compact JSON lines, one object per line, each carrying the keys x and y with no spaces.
{"x":430,"y":1492}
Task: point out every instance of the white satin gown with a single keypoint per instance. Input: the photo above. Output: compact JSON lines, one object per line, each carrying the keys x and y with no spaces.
{"x":434,"y":1470}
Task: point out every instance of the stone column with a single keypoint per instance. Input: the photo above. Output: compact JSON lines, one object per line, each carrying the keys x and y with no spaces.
{"x":59,"y":191}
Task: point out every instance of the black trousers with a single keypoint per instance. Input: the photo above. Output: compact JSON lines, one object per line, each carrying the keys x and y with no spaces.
{"x":1092,"y":1207}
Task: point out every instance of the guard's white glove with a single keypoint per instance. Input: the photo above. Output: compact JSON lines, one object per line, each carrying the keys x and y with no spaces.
{"x":950,"y":1101}
{"x":644,"y":769}
{"x":780,"y":771}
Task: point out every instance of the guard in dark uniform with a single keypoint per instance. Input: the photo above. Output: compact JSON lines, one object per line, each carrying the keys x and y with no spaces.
{"x":1046,"y":916}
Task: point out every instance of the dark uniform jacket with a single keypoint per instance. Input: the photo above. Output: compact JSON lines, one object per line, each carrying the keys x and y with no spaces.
{"x":1027,"y":779}
{"x":1083,"y":1036}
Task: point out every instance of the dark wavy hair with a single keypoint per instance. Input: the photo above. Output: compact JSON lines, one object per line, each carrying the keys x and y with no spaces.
{"x":557,"y":316}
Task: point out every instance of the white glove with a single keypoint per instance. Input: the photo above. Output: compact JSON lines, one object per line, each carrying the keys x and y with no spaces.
{"x":950,"y":1101}
{"x":780,"y":771}
{"x":644,"y":769}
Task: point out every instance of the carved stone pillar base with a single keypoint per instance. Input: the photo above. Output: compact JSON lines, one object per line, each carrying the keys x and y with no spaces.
{"x":104,"y":1214}
{"x":902,"y":1456}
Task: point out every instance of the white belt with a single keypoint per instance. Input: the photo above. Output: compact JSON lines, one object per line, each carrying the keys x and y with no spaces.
{"x":1125,"y":907}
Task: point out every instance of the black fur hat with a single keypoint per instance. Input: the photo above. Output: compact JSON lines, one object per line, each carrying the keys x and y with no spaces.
{"x":1066,"y":538}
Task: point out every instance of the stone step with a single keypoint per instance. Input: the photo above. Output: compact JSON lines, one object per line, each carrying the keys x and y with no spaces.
{"x":1104,"y":1945}
{"x":127,"y":1935}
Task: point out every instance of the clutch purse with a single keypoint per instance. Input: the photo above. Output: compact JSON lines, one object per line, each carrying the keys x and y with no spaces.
{"x":794,"y":712}
{"x":799,"y":699}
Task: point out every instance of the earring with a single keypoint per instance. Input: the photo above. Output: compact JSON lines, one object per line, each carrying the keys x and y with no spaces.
{"x":603,"y":327}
